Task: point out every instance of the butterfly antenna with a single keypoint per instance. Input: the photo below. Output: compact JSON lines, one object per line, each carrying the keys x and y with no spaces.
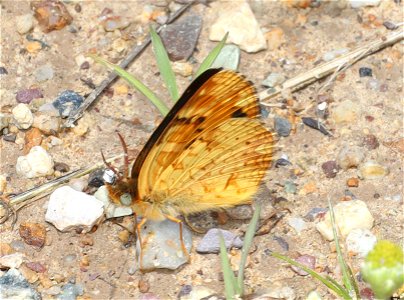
{"x":109,"y":165}
{"x":126,"y":156}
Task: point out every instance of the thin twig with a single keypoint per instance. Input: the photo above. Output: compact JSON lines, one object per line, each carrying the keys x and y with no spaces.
{"x":327,"y":68}
{"x":77,"y":113}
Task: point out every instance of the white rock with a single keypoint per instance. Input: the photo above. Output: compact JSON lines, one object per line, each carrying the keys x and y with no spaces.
{"x":199,"y":292}
{"x":36,"y":163}
{"x":362,"y":3}
{"x":69,"y":209}
{"x":13,"y":260}
{"x":237,"y":18}
{"x":111,"y":210}
{"x":349,"y":215}
{"x":360,"y":242}
{"x":346,"y":112}
{"x":23,"y":116}
{"x":228,"y":58}
{"x":24,"y":23}
{"x":298,"y":224}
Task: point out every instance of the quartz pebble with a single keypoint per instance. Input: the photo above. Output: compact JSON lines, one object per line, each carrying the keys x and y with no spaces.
{"x":240,"y":23}
{"x":346,"y":112}
{"x":36,"y":163}
{"x":228,"y":58}
{"x":282,"y":126}
{"x":196,"y":292}
{"x":350,"y":157}
{"x":47,"y":123}
{"x":372,"y":170}
{"x":33,"y":234}
{"x":183,"y":69}
{"x":298,"y":224}
{"x":44,"y":73}
{"x":210,"y":242}
{"x":26,"y":96}
{"x":360,"y":241}
{"x":273,"y":80}
{"x":13,"y":260}
{"x":23,"y":116}
{"x":24,"y":23}
{"x":69,"y":209}
{"x":334,"y":53}
{"x":14,"y":286}
{"x":307,"y":260}
{"x":162,"y":247}
{"x":71,"y":291}
{"x":349,"y":215}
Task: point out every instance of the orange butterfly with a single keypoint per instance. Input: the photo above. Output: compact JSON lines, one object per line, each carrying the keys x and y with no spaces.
{"x":210,"y":152}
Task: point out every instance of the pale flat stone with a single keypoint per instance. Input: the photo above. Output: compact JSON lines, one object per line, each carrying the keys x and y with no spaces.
{"x":69,"y":209}
{"x":23,"y":116}
{"x":36,"y":163}
{"x":349,"y":215}
{"x":237,"y":18}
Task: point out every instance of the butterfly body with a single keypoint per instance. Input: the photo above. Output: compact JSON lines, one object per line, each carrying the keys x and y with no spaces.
{"x":210,"y":152}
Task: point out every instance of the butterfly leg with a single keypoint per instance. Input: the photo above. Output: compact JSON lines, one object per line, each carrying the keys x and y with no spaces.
{"x":138,"y":227}
{"x":179,"y":222}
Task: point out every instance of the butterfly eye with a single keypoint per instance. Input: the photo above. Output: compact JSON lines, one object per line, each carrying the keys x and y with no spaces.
{"x":126,"y":199}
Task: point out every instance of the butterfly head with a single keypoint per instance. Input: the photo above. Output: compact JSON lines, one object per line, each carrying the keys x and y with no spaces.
{"x":121,"y":192}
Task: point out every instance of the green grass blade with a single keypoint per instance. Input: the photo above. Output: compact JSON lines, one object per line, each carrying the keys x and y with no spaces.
{"x":230,"y":282}
{"x":330,"y":284}
{"x":135,"y":83}
{"x":208,"y":61}
{"x":164,"y":65}
{"x":249,"y":236}
{"x":348,"y":281}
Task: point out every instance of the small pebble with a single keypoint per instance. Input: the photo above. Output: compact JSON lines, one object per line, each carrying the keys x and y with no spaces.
{"x":36,"y":163}
{"x":26,"y":96}
{"x":363,"y":3}
{"x":298,"y":224}
{"x":196,"y":292}
{"x":282,"y":126}
{"x":47,"y":123}
{"x":85,"y":65}
{"x":4,"y":120}
{"x":346,"y":112}
{"x":241,"y":25}
{"x":69,"y":209}
{"x":143,"y":285}
{"x":36,"y":266}
{"x":149,"y":296}
{"x":370,"y":141}
{"x":83,"y":125}
{"x":24,"y":23}
{"x":390,"y":25}
{"x":18,"y":245}
{"x":360,"y":242}
{"x":78,"y":184}
{"x":115,"y":23}
{"x":183,"y":69}
{"x":33,"y":137}
{"x":67,"y":101}
{"x":314,"y":213}
{"x":71,"y":291}
{"x":51,"y":15}
{"x":365,"y":72}
{"x":181,"y":37}
{"x":11,"y":137}
{"x":240,"y":212}
{"x":282,"y":242}
{"x":61,"y":167}
{"x":290,"y":187}
{"x":335,"y":53}
{"x":14,"y":286}
{"x":13,"y":260}
{"x":3,"y":71}
{"x":111,"y":210}
{"x":22,"y":116}
{"x":228,"y":58}
{"x":33,"y":234}
{"x":330,"y":168}
{"x":54,"y":141}
{"x":350,"y":157}
{"x":349,"y":215}
{"x":44,"y":73}
{"x":273,"y":79}
{"x":352,"y":182}
{"x":210,"y":241}
{"x":70,"y":259}
{"x":373,"y":84}
{"x":307,"y":260}
{"x":372,"y":170}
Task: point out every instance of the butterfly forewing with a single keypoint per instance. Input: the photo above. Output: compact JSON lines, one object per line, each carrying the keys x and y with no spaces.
{"x":210,"y":101}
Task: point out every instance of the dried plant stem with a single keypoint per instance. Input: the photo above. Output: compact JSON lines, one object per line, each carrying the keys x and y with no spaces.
{"x":340,"y":63}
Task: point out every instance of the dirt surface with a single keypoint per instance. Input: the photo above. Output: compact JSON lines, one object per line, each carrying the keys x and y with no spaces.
{"x":307,"y":34}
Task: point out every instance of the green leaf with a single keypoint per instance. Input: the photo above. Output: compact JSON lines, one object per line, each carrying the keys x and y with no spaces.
{"x":164,"y":65}
{"x":230,"y":282}
{"x":207,"y":62}
{"x":135,"y":83}
{"x":248,"y":238}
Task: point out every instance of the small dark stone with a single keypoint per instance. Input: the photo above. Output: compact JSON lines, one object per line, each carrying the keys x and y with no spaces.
{"x":181,"y":37}
{"x":85,"y":66}
{"x":370,"y":141}
{"x":185,"y":290}
{"x":390,"y":25}
{"x":314,"y":23}
{"x":315,"y":125}
{"x":26,"y":96}
{"x":11,"y":137}
{"x":95,"y":178}
{"x":330,"y":168}
{"x":282,"y":162}
{"x":315,"y":213}
{"x":365,"y":72}
{"x":67,"y":102}
{"x":369,"y":118}
{"x":284,"y":244}
{"x":61,"y":167}
{"x":349,"y":194}
{"x":36,"y":266}
{"x":3,"y":71}
{"x":77,"y":7}
{"x":383,"y":87}
{"x":367,"y":294}
{"x":376,"y":196}
{"x":282,"y":126}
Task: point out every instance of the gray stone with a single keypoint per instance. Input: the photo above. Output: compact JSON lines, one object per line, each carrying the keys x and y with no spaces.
{"x":228,"y":58}
{"x":14,"y":286}
{"x":210,"y":242}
